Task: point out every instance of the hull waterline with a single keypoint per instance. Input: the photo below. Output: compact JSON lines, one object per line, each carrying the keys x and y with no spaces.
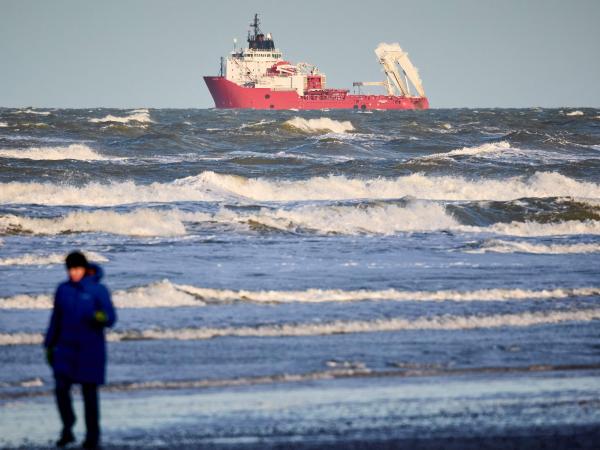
{"x":229,"y":95}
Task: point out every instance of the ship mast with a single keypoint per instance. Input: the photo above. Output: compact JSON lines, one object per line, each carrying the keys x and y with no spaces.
{"x":255,"y":24}
{"x":258,"y":41}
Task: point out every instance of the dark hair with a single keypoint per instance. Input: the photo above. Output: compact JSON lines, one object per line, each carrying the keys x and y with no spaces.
{"x":76,"y":259}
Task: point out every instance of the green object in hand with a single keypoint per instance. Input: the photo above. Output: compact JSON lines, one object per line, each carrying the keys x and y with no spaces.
{"x":100,"y":317}
{"x":49,"y":355}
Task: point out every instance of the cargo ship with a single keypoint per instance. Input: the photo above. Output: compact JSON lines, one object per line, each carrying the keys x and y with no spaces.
{"x":257,"y":77}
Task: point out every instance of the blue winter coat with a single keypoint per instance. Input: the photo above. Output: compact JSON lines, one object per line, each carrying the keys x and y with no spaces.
{"x":74,"y":336}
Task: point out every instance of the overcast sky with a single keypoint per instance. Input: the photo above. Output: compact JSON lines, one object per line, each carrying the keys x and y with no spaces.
{"x":470,"y":53}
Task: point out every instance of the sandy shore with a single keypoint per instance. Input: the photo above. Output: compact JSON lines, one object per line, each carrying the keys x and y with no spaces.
{"x":548,"y":410}
{"x":557,"y":439}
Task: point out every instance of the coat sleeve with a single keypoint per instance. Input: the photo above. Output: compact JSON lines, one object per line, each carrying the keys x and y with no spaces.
{"x":106,"y":305}
{"x":54,"y":326}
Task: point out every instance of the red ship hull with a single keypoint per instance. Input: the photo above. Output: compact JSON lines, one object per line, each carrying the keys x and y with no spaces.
{"x":229,"y":95}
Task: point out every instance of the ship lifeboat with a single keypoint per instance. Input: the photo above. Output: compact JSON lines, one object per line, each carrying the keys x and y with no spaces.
{"x":282,"y":68}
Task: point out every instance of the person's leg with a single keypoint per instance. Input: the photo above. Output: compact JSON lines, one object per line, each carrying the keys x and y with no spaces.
{"x":92,"y":414}
{"x":65,"y":409}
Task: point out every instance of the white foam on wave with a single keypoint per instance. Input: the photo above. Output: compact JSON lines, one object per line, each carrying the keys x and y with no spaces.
{"x":3,"y":124}
{"x":31,"y":111}
{"x":541,"y":184}
{"x":575,"y":113}
{"x":258,"y":124}
{"x":340,"y":295}
{"x":210,"y":186}
{"x":164,"y":294}
{"x":140,"y":222}
{"x":500,"y":246}
{"x":493,"y":148}
{"x":99,"y":194}
{"x":415,"y":216}
{"x":504,"y":151}
{"x":445,"y":322}
{"x":378,"y":219}
{"x":524,"y":229}
{"x":137,"y":115}
{"x":32,"y":259}
{"x":319,"y":125}
{"x":78,"y":152}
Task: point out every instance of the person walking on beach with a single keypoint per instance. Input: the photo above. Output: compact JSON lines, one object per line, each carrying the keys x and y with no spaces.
{"x":75,"y":344}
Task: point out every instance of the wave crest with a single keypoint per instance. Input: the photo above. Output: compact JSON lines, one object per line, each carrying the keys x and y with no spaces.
{"x":211,"y":186}
{"x":140,"y":222}
{"x":499,"y":246}
{"x":445,"y":322}
{"x":79,"y":152}
{"x":138,"y":115}
{"x":46,"y":260}
{"x":377,"y":219}
{"x":484,"y":149}
{"x":32,"y":111}
{"x":386,"y":219}
{"x":319,"y":125}
{"x":164,"y":294}
{"x":524,"y":229}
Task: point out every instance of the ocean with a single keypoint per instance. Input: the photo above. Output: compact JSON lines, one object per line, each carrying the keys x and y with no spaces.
{"x":310,"y":276}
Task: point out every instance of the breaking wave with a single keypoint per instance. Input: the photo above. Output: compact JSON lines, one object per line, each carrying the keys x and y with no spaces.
{"x":484,"y":149}
{"x":78,"y":152}
{"x":210,"y":186}
{"x":524,"y":229}
{"x":414,"y":216}
{"x":378,"y":219}
{"x":499,"y":246}
{"x":575,"y":113}
{"x":444,"y":322}
{"x":504,"y":151}
{"x":45,"y":260}
{"x":98,"y":194}
{"x":140,"y":222}
{"x":3,"y":124}
{"x":31,"y":111}
{"x":138,"y":115}
{"x":319,"y":125}
{"x":164,"y":294}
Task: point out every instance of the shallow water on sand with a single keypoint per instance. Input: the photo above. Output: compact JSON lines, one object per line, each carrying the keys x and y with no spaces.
{"x":246,"y":245}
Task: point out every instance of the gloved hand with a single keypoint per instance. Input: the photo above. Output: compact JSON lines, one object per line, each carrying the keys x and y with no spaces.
{"x":100,"y":317}
{"x":49,"y":355}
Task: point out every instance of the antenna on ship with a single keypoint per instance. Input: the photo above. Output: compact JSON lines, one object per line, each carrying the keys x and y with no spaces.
{"x":256,"y":25}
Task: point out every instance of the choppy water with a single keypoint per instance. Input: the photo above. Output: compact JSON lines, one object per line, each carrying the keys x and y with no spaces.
{"x":258,"y":245}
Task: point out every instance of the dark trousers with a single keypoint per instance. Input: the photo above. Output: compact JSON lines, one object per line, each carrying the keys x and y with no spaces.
{"x":91,"y":406}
